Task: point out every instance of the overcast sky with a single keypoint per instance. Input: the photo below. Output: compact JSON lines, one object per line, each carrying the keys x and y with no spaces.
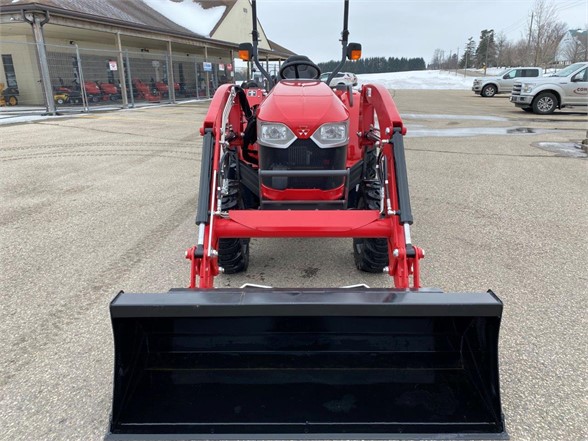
{"x":400,"y":28}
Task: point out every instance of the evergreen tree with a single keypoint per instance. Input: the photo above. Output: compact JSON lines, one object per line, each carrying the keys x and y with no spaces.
{"x":469,"y":54}
{"x":376,"y":65}
{"x":486,"y":51}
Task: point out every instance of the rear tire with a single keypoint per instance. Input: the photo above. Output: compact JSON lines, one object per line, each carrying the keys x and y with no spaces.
{"x":545,"y":103}
{"x":233,"y":254}
{"x":489,"y":91}
{"x":371,"y":254}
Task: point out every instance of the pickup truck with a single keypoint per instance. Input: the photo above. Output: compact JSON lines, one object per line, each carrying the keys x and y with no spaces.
{"x":568,"y":87}
{"x":490,"y":86}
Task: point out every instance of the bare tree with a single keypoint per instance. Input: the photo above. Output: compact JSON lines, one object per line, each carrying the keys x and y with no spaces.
{"x":545,"y":32}
{"x":437,"y":59}
{"x":501,"y":47}
{"x":573,"y":48}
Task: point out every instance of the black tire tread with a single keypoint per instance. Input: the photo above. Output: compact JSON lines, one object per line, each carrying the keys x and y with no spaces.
{"x":233,"y":254}
{"x":371,"y":254}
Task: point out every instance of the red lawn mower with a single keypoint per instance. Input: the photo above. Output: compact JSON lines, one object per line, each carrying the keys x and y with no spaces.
{"x":143,"y":91}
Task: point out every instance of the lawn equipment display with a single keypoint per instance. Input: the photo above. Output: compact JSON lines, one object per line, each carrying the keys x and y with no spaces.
{"x":302,"y":159}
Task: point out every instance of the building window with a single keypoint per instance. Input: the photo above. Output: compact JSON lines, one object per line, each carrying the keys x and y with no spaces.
{"x":245,"y":10}
{"x":9,"y":71}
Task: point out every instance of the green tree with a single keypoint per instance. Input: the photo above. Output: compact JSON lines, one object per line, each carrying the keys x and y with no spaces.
{"x":486,"y":51}
{"x":377,"y":65}
{"x":469,"y":54}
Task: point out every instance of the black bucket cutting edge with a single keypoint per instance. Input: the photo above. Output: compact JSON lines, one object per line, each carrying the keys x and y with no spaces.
{"x":306,"y":364}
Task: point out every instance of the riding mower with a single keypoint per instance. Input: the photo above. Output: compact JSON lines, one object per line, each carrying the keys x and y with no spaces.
{"x":63,"y":94}
{"x":304,"y":160}
{"x":8,"y":96}
{"x":109,"y":91}
{"x":144,"y":92}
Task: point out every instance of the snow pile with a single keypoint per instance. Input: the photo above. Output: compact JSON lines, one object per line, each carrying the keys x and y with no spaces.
{"x":189,"y":15}
{"x":419,"y":79}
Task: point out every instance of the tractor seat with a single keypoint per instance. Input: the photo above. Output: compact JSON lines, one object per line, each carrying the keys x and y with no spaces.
{"x":299,"y":67}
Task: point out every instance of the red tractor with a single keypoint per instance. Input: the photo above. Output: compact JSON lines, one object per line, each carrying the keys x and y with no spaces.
{"x":304,"y":160}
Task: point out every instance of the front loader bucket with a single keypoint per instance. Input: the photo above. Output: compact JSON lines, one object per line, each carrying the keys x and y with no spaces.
{"x":306,"y":364}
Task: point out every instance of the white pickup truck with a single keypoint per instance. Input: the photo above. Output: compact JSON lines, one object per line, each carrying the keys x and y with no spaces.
{"x":503,"y":82}
{"x":566,"y":88}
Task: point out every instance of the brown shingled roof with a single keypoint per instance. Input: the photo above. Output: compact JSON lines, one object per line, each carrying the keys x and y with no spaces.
{"x":281,"y":49}
{"x":133,"y":12}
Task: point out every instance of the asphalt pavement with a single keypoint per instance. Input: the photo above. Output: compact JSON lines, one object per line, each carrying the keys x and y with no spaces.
{"x":106,"y":201}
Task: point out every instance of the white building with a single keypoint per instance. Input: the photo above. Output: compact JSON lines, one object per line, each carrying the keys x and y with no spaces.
{"x":573,"y":47}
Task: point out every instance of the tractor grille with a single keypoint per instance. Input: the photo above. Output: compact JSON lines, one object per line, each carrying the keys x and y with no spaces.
{"x":516,"y":89}
{"x":303,"y":154}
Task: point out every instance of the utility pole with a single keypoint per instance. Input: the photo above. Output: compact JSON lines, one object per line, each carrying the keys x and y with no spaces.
{"x":457,"y":64}
{"x":530,"y":34}
{"x":487,"y":47}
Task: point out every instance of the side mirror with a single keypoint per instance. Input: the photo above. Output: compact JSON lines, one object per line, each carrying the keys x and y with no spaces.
{"x":578,"y":77}
{"x":246,"y":51}
{"x":353,"y":51}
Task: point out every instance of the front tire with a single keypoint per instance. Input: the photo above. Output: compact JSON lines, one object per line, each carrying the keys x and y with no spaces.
{"x":545,"y":103}
{"x":233,"y":254}
{"x":370,"y":254}
{"x":489,"y":90}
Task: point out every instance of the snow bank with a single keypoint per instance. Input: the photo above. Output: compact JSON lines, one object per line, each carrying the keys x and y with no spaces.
{"x":419,"y":79}
{"x":189,"y":15}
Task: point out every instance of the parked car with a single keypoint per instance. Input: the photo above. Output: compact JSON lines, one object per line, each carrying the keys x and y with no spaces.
{"x":502,"y":83}
{"x":568,"y":87}
{"x":341,"y":79}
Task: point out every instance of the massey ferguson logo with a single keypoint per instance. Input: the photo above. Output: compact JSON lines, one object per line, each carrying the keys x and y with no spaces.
{"x":302,"y":131}
{"x":581,"y":91}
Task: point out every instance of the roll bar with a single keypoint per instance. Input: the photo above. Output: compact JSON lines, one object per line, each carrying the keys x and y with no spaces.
{"x":348,"y":50}
{"x":255,"y":38}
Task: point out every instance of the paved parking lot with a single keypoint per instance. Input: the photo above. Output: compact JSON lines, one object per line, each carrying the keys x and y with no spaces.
{"x":103,"y":202}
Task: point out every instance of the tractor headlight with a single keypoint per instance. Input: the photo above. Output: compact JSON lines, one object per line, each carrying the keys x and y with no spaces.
{"x":274,"y":135}
{"x":331,"y":135}
{"x":528,"y":87}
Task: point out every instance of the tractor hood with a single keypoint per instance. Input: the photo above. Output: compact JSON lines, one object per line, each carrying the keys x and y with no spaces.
{"x":303,"y":106}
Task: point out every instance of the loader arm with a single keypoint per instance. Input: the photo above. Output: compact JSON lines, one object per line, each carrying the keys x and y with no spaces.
{"x":391,"y":222}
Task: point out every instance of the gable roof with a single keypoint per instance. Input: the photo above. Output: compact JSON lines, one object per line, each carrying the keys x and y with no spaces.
{"x":577,"y":33}
{"x":281,"y":49}
{"x":131,"y":12}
